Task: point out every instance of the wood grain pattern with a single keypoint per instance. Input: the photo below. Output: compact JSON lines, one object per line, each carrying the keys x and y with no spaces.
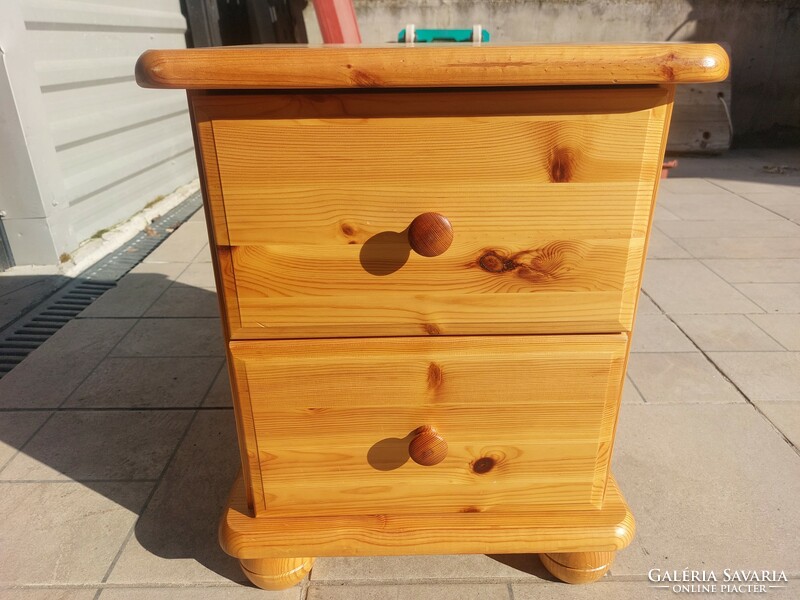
{"x":547,"y":530}
{"x":323,"y":252}
{"x":276,"y":573}
{"x":439,"y":65}
{"x":578,"y":567}
{"x":524,"y":435}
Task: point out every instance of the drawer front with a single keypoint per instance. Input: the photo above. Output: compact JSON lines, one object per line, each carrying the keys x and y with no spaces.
{"x":526,"y":421}
{"x":548,"y":194}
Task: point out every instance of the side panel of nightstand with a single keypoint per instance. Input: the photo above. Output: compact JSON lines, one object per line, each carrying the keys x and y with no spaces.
{"x":226,"y":293}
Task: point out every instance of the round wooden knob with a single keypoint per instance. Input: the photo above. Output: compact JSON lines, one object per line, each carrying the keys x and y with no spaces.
{"x":427,"y":448}
{"x":430,"y":234}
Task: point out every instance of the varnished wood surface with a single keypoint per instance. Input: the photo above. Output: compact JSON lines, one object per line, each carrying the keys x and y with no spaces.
{"x":549,"y":530}
{"x":276,"y":573}
{"x":523,"y":419}
{"x":434,"y":65}
{"x":549,"y":193}
{"x":578,"y":567}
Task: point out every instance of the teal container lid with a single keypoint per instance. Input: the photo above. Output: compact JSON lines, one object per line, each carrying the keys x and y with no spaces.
{"x":442,"y":35}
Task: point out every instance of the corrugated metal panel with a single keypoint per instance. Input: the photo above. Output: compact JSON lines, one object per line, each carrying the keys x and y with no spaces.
{"x":117,"y":146}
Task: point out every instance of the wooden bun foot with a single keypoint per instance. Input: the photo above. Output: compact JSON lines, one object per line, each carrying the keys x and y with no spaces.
{"x":578,"y":567}
{"x":276,"y":573}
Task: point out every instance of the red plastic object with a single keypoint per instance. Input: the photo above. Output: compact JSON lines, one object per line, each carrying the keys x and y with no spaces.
{"x":337,"y":21}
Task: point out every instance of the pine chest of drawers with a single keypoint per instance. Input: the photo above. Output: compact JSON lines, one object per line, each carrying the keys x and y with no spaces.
{"x":428,"y":262}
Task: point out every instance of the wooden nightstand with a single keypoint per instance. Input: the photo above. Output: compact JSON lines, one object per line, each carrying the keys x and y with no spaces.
{"x":428,"y":262}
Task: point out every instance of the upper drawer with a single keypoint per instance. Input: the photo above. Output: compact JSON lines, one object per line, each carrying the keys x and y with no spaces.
{"x":548,"y":193}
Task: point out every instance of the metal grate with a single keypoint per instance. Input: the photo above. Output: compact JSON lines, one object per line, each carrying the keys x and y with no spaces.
{"x":34,"y":328}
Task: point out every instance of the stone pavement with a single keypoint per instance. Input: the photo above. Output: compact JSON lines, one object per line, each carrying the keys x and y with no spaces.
{"x":117,"y":442}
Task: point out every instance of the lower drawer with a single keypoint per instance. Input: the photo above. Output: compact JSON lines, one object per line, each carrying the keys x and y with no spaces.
{"x":330,"y":425}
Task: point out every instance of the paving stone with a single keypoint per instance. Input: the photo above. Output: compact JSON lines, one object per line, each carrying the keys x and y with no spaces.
{"x":135,"y":292}
{"x":182,"y":301}
{"x":146,"y":383}
{"x":604,"y":589}
{"x":181,"y":246}
{"x":662,"y":214}
{"x":730,"y":333}
{"x":406,"y":568}
{"x":784,"y":202}
{"x":784,"y":328}
{"x":711,"y":487}
{"x":15,"y":429}
{"x":100,"y":445}
{"x":201,"y":593}
{"x":220,"y":392}
{"x":656,"y":333}
{"x":762,"y":375}
{"x":726,"y":229}
{"x":421,"y":591}
{"x":661,"y":246}
{"x":785,"y":416}
{"x":630,"y":395}
{"x":175,"y":541}
{"x":48,"y":593}
{"x":679,"y":378}
{"x":689,"y":185}
{"x":773,"y":297}
{"x":64,"y":532}
{"x":719,"y":206}
{"x":200,"y":275}
{"x":173,"y":337}
{"x":758,"y":185}
{"x":204,"y":256}
{"x":689,"y":287}
{"x":756,"y":270}
{"x":776,"y":247}
{"x":51,"y":372}
{"x":646,"y":306}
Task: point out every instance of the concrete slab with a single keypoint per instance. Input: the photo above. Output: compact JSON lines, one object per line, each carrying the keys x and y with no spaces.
{"x":175,"y":541}
{"x":689,"y":287}
{"x":677,"y":229}
{"x":715,"y":206}
{"x":731,"y":333}
{"x":185,"y":301}
{"x":183,"y":245}
{"x":773,"y":297}
{"x":242,"y":592}
{"x":679,"y":378}
{"x":784,"y":328}
{"x":135,"y":292}
{"x":199,"y":275}
{"x":711,"y":487}
{"x":656,"y":333}
{"x":762,"y":375}
{"x":607,"y":588}
{"x":785,"y":416}
{"x":631,"y":395}
{"x":16,"y":428}
{"x":173,"y":337}
{"x":477,"y":567}
{"x":100,"y":445}
{"x":65,"y":532}
{"x":661,"y":246}
{"x":220,"y":393}
{"x":50,"y":373}
{"x":422,"y":591}
{"x":743,"y":248}
{"x":143,"y":382}
{"x":756,"y":270}
{"x":48,"y":593}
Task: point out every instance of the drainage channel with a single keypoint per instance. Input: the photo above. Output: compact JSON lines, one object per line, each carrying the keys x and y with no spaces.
{"x":34,"y":328}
